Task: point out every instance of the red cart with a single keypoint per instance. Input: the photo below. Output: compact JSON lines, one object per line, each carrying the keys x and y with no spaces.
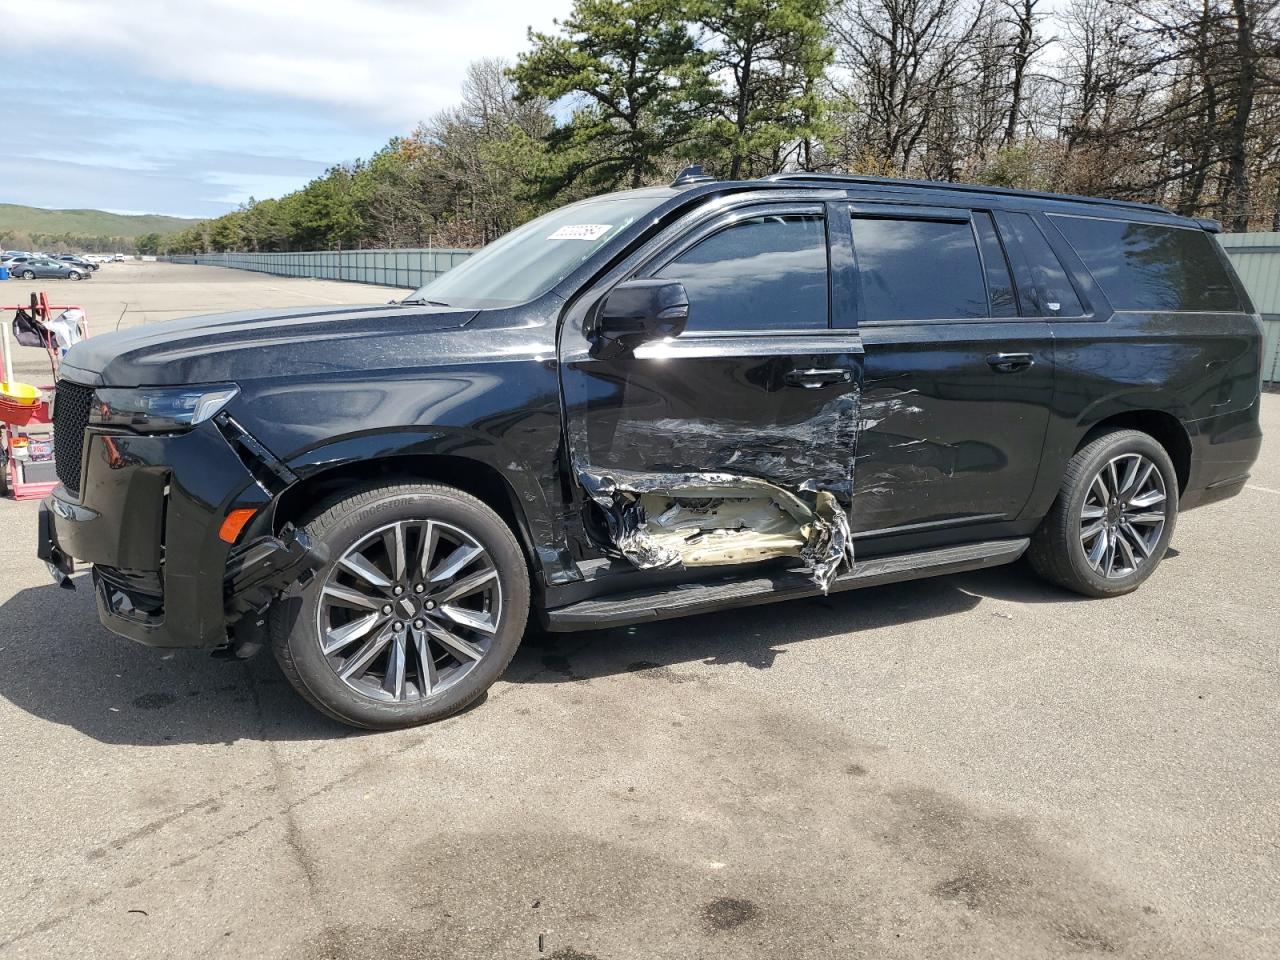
{"x":26,"y":428}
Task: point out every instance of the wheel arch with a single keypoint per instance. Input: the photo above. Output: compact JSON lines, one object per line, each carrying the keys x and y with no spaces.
{"x":476,"y":477}
{"x":1166,"y":429}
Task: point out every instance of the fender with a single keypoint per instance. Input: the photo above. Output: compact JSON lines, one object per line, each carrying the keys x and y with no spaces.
{"x":1130,"y":400}
{"x":1064,"y":435}
{"x":528,"y":482}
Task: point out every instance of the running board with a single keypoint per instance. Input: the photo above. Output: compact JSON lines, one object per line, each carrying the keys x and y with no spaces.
{"x":707,"y":596}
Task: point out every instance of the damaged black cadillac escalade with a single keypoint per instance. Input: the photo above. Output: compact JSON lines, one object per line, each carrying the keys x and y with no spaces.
{"x":652,"y":404}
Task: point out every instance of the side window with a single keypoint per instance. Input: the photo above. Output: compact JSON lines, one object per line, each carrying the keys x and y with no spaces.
{"x":1147,"y":266}
{"x":764,"y":273}
{"x":1004,"y":302}
{"x":918,"y":270}
{"x":1056,"y":296}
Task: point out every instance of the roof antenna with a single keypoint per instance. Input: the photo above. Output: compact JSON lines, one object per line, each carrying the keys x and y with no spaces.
{"x":691,"y":174}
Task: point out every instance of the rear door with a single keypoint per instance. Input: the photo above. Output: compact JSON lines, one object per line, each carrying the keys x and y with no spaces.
{"x":958,"y":372}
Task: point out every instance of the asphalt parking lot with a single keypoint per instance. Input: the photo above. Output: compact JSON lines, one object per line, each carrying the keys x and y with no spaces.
{"x":973,"y":766}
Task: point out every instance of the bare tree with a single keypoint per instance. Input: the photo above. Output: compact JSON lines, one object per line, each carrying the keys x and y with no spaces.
{"x":1026,"y":44}
{"x":903,"y":58}
{"x":481,"y":151}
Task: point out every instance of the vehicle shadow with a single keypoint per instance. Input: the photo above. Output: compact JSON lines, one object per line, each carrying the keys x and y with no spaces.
{"x":757,"y":636}
{"x":61,"y":665}
{"x":1016,"y":582}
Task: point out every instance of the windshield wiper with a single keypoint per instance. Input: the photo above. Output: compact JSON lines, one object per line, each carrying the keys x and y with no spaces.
{"x":422,"y":302}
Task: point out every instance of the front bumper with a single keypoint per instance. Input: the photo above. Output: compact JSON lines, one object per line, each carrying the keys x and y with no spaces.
{"x":147,"y":518}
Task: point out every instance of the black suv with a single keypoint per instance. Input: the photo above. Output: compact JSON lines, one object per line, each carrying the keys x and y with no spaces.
{"x":652,"y":404}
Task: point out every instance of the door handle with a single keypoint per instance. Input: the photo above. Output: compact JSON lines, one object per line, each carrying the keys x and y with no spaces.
{"x":1010,"y":362}
{"x":812,"y":378}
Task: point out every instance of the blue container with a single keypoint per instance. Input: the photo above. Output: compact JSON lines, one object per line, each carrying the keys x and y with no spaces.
{"x":4,"y":273}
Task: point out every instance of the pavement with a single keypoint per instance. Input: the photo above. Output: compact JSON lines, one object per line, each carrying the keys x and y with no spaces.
{"x":970,"y":766}
{"x":123,"y":295}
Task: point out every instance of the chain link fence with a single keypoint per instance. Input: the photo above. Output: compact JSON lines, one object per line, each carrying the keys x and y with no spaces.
{"x":406,"y":268}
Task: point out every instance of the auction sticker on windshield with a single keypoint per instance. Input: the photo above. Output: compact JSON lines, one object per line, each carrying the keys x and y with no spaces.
{"x":581,"y":231}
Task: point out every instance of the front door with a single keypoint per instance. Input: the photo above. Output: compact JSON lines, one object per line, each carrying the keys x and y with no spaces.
{"x":957,"y":380}
{"x":745,"y":420}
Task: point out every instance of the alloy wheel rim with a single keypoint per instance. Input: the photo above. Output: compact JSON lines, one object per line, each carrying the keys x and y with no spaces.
{"x":409,"y":610}
{"x":1123,"y":515}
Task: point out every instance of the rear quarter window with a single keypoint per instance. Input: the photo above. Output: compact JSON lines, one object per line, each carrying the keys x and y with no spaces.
{"x":1151,"y":267}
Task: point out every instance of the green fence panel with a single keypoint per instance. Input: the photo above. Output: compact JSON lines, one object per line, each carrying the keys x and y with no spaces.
{"x":407,"y":268}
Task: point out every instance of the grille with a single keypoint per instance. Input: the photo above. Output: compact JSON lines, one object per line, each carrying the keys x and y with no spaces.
{"x":70,"y":417}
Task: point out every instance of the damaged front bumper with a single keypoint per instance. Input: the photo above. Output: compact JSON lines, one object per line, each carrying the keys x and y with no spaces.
{"x":134,"y":603}
{"x":718,"y":519}
{"x":147,"y":518}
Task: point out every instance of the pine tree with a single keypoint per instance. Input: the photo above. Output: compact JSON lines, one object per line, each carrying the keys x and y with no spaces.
{"x":636,"y":81}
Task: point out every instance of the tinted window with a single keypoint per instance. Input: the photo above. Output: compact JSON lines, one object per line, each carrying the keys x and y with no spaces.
{"x":1145,"y":266}
{"x":918,"y":270}
{"x":766,"y":273}
{"x":1055,"y":295}
{"x":1004,"y":303}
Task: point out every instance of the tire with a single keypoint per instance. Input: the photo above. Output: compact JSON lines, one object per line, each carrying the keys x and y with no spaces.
{"x":28,"y":275}
{"x":76,"y":276}
{"x":469,"y":636}
{"x":1132,"y":541}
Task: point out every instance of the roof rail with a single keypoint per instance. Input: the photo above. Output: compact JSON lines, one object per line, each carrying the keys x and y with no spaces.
{"x":858,"y":178}
{"x":691,"y":174}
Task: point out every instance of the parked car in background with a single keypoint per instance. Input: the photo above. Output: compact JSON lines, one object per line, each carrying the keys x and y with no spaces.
{"x":77,"y":261}
{"x":41,"y":268}
{"x":662,"y":402}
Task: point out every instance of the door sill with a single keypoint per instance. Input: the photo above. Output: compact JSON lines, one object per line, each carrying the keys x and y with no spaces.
{"x":687,"y":599}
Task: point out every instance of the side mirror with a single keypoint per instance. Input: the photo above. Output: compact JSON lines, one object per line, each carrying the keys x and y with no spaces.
{"x":641,"y":310}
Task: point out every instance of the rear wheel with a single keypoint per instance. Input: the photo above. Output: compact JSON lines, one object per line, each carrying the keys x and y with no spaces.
{"x":1113,"y":519}
{"x":418,"y":612}
{"x":28,"y":275}
{"x":76,"y":276}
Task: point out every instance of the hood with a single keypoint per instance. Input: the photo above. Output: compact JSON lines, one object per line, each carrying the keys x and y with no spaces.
{"x":256,"y":343}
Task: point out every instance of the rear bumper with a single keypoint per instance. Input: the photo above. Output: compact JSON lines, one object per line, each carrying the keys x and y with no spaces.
{"x":1223,"y":450}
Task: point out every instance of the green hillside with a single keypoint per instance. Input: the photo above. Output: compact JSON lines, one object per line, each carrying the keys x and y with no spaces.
{"x":86,"y":223}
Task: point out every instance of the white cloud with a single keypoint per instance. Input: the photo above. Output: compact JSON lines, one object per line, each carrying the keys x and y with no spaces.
{"x":396,"y":60}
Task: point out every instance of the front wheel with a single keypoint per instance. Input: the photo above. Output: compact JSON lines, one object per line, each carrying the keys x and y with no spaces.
{"x":1113,"y":519}
{"x":419,"y":610}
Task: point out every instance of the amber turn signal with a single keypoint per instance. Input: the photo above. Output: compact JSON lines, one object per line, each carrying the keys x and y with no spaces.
{"x":235,"y":522}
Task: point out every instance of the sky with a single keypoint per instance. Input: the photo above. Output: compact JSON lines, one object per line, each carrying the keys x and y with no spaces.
{"x":191,"y":107}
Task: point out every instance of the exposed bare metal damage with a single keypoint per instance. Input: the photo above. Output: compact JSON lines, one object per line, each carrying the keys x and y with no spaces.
{"x":717,"y":519}
{"x":685,"y":479}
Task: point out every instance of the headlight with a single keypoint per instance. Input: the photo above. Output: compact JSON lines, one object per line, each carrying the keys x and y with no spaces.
{"x":159,"y":409}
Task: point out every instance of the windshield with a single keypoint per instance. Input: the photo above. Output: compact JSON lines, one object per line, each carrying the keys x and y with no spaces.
{"x":530,"y":260}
